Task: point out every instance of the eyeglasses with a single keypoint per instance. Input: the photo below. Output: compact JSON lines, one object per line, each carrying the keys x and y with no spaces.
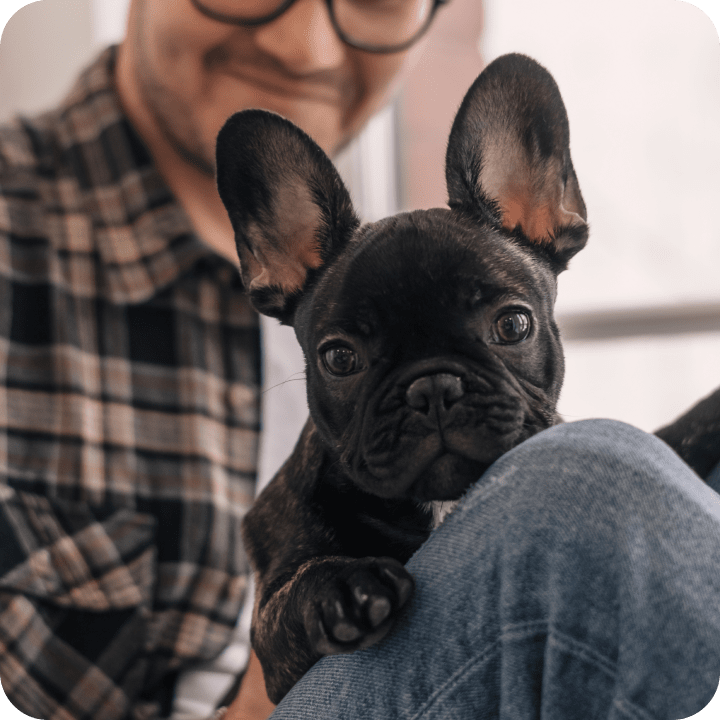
{"x":376,"y":26}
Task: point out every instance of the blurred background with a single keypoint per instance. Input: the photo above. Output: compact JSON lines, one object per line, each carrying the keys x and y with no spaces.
{"x":640,"y":306}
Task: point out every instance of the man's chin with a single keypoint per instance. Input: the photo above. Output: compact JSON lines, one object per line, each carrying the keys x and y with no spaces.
{"x":195,"y":158}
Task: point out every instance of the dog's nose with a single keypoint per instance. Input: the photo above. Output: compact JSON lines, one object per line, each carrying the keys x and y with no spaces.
{"x":440,"y":390}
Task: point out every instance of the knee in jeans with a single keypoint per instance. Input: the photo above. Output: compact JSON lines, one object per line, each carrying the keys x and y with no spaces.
{"x":588,"y":457}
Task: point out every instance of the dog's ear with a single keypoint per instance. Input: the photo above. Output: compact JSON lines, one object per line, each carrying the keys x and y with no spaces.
{"x":508,"y":159}
{"x":287,"y":204}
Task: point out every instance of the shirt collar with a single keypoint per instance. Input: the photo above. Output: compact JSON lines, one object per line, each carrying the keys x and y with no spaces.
{"x":142,"y":234}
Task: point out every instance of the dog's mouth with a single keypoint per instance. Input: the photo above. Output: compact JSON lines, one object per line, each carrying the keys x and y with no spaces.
{"x":436,"y":468}
{"x":447,"y":477}
{"x":432,"y":443}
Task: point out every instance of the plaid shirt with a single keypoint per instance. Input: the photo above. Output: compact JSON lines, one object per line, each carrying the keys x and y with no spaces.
{"x":128,"y":420}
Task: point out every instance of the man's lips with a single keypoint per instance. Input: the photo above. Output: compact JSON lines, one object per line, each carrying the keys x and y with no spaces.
{"x":324,"y":89}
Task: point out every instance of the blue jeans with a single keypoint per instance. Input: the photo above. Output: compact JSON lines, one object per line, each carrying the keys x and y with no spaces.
{"x":579,"y":578}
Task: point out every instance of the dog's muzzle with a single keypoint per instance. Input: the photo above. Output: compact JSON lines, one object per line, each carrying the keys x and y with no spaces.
{"x":433,"y":428}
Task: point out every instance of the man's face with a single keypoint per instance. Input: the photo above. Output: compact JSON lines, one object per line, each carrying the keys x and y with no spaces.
{"x":193,"y":73}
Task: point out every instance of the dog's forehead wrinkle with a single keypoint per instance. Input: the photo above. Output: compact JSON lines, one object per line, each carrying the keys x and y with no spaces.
{"x":413,"y":247}
{"x":438,"y":262}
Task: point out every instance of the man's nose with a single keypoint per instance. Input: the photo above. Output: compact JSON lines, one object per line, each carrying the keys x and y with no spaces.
{"x":303,"y":38}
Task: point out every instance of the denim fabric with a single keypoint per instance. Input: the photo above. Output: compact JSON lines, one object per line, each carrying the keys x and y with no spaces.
{"x":713,"y":479}
{"x":579,"y":578}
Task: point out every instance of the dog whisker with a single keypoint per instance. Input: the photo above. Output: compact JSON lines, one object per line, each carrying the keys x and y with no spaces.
{"x":284,"y":382}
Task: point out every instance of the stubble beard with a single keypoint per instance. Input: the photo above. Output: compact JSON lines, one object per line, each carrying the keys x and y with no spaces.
{"x":171,"y":114}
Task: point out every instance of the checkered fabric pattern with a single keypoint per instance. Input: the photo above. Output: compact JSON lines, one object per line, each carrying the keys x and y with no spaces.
{"x":129,"y":386}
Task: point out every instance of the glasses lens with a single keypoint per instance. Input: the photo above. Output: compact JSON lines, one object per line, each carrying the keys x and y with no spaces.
{"x":382,"y":23}
{"x":379,"y":25}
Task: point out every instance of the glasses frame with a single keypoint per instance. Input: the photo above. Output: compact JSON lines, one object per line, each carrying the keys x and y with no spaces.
{"x":286,"y":4}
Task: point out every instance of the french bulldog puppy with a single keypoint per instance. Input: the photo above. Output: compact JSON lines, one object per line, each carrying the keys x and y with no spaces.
{"x":430,"y":348}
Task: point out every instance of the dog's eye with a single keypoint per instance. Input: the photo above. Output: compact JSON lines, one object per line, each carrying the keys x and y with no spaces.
{"x":512,"y":327}
{"x":340,"y":360}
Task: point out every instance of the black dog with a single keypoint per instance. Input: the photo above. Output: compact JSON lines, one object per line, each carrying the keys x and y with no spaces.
{"x":429,"y":341}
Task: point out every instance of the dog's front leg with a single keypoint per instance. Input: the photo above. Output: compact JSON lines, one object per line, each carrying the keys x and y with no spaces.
{"x":326,"y":581}
{"x":331,"y":605}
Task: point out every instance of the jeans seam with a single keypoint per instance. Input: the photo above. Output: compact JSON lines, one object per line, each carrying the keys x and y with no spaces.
{"x":583,"y":651}
{"x":630,"y":710}
{"x":576,"y":647}
{"x":524,"y":630}
{"x":456,"y":677}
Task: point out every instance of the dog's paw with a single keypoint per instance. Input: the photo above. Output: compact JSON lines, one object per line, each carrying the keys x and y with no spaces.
{"x":358,"y":605}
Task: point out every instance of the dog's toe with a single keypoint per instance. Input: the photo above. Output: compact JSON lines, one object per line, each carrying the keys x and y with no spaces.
{"x":372,"y":597}
{"x":400,"y":579}
{"x":359,"y":605}
{"x":345,"y":632}
{"x":378,"y":610}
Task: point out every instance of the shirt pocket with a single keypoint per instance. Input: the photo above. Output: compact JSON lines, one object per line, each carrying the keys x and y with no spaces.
{"x":76,"y":555}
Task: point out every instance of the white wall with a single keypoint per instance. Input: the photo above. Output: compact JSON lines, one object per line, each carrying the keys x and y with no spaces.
{"x":641,"y":81}
{"x":43,"y":47}
{"x":108,"y":19}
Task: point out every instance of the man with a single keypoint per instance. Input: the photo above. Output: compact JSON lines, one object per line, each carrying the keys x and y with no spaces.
{"x":181,"y":74}
{"x":133,"y":358}
{"x":131,"y":366}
